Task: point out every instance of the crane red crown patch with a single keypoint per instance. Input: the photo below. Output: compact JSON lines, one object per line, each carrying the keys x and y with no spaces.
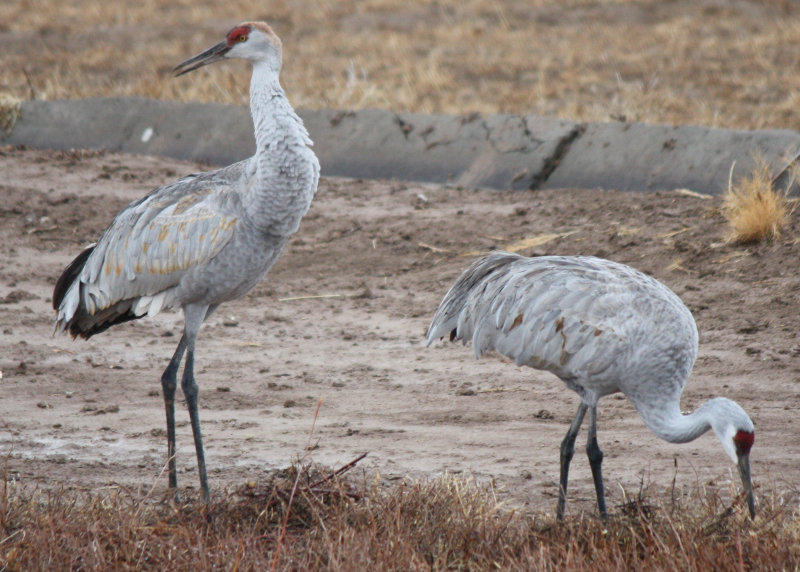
{"x":744,"y":440}
{"x":238,"y":34}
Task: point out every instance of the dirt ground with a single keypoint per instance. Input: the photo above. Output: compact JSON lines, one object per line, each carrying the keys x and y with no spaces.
{"x":340,"y":320}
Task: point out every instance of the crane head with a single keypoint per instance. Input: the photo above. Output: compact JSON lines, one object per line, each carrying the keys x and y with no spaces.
{"x":735,"y":430}
{"x":252,"y":41}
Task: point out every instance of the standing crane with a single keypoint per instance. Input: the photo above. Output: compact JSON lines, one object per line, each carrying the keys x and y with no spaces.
{"x":602,"y":327}
{"x":203,"y":240}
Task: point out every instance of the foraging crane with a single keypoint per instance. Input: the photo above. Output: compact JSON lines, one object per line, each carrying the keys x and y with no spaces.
{"x":205,"y":239}
{"x":602,"y":327}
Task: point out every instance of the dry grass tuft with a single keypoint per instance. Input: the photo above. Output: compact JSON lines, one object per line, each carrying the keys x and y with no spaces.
{"x":754,"y":209}
{"x":10,"y":108}
{"x":334,"y":524}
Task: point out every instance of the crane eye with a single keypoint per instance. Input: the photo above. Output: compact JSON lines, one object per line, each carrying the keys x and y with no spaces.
{"x":242,"y":38}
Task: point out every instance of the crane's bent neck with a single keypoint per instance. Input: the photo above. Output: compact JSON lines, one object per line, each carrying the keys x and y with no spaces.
{"x":671,"y":425}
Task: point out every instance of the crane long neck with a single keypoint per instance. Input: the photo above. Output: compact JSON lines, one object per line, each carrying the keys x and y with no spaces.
{"x":274,"y":120}
{"x":671,"y":425}
{"x":284,"y":170}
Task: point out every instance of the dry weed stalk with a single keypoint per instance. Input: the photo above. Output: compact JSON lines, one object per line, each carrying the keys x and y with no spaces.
{"x":754,"y":209}
{"x":285,"y":523}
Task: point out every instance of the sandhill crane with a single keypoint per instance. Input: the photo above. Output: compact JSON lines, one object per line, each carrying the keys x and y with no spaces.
{"x":205,"y":239}
{"x":602,"y":327}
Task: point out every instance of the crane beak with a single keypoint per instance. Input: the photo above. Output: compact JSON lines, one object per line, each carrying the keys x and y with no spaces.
{"x":744,"y":473}
{"x":211,"y":55}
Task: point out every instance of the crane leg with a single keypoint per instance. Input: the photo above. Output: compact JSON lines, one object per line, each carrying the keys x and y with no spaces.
{"x":193,"y":319}
{"x":169,"y":381}
{"x":595,"y":461}
{"x":567,"y":450}
{"x":191,"y":391}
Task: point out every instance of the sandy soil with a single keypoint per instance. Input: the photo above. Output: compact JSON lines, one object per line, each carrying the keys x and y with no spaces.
{"x":341,"y":319}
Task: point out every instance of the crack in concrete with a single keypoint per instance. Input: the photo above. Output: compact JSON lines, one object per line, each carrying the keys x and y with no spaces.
{"x":551,"y":163}
{"x":500,"y":146}
{"x":405,"y":127}
{"x":492,"y":135}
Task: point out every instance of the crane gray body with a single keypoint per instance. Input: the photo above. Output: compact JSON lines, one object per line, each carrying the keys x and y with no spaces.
{"x":205,"y":239}
{"x":588,"y":320}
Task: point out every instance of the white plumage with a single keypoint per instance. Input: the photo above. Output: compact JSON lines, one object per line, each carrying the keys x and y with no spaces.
{"x":205,"y":239}
{"x":602,"y":327}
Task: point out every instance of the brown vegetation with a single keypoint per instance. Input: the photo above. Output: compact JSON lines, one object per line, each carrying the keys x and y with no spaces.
{"x":754,"y":209}
{"x":684,"y":62}
{"x":334,"y":524}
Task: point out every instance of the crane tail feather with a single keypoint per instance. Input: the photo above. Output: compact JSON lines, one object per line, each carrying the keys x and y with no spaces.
{"x":453,"y":318}
{"x":73,"y":315}
{"x":69,"y":275}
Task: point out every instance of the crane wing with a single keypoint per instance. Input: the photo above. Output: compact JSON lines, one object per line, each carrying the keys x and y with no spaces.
{"x":568,"y":315}
{"x":151,"y":245}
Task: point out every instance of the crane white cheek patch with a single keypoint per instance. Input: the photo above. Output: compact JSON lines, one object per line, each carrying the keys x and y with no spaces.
{"x":729,"y":443}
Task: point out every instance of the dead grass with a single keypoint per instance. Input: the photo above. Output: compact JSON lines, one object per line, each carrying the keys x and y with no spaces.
{"x":754,"y":209}
{"x":444,"y":524}
{"x":9,"y":112}
{"x":684,"y":62}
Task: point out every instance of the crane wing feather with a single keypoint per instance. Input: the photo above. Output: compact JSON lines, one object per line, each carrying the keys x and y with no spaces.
{"x":155,"y":241}
{"x":568,"y":315}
